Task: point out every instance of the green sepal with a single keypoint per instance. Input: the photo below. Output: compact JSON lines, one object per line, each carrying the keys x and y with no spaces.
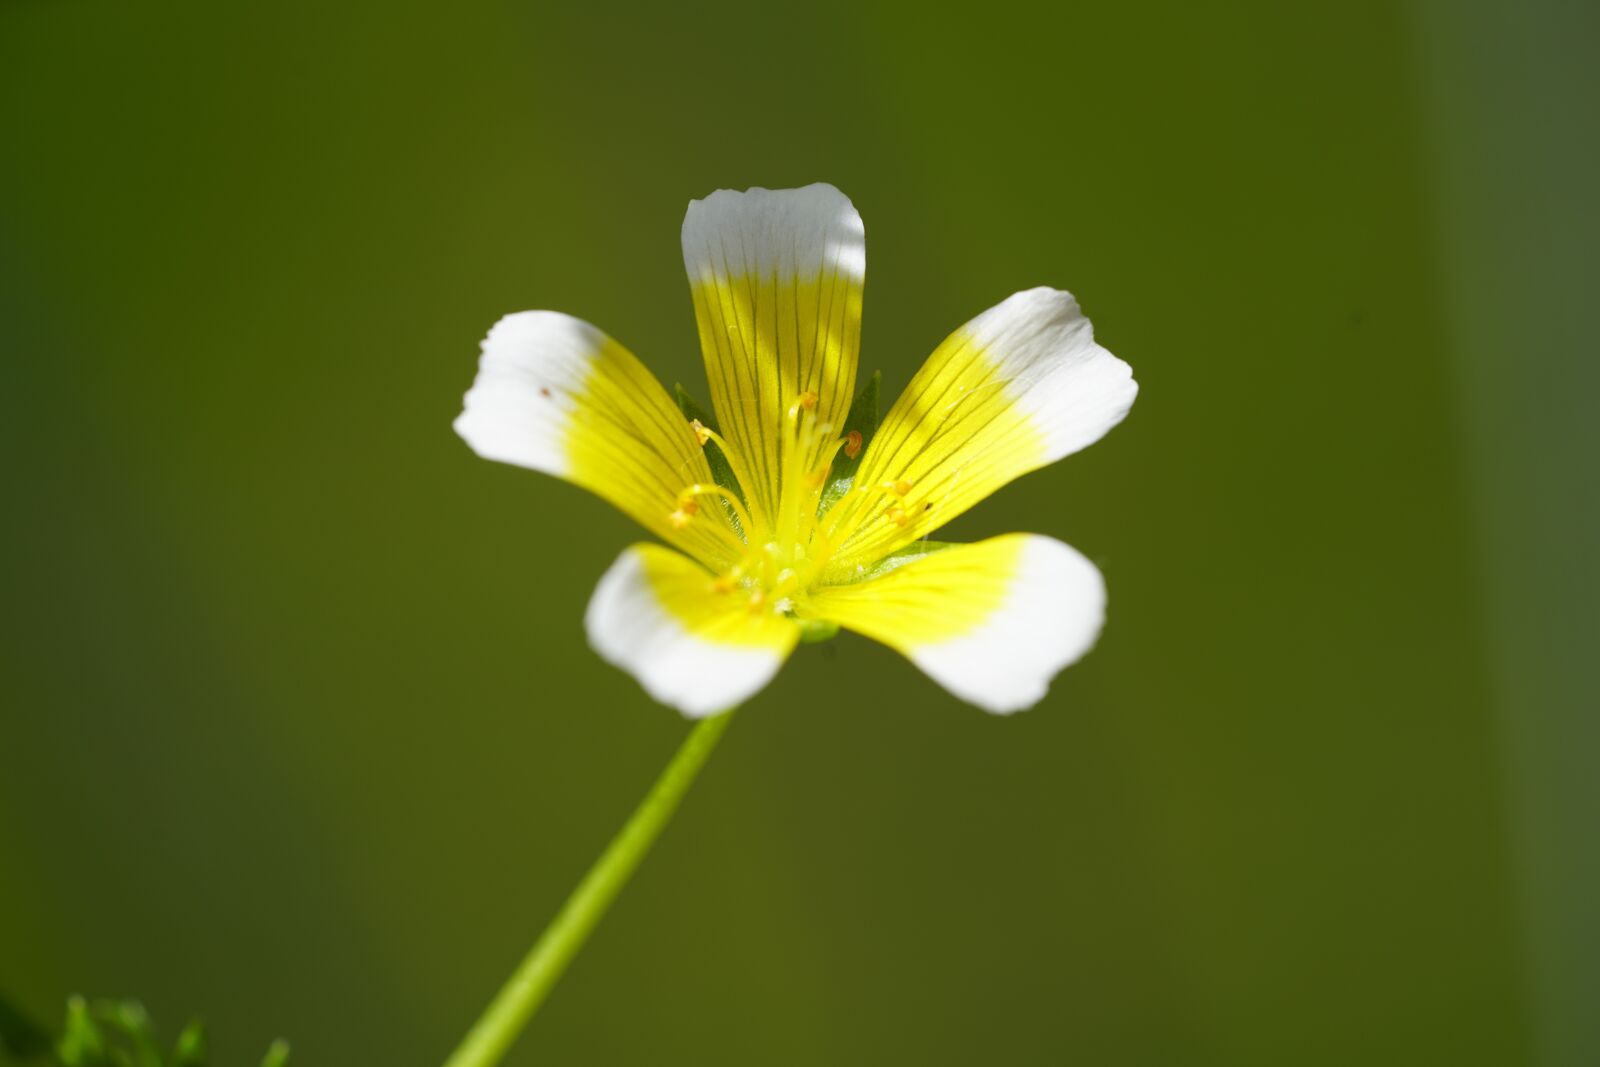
{"x":693,"y":409}
{"x":816,"y":631}
{"x":82,"y":1044}
{"x":190,"y":1050}
{"x":721,"y":469}
{"x":277,"y":1055}
{"x":20,"y":1036}
{"x":897,"y":559}
{"x":863,"y":419}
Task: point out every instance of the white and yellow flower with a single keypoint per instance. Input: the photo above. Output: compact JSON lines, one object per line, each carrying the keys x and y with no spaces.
{"x":787,"y":515}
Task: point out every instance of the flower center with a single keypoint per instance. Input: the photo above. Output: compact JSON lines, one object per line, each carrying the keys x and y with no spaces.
{"x":780,"y":556}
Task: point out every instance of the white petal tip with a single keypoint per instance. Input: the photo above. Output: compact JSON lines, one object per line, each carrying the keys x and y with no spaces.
{"x":791,"y":232}
{"x":1050,"y":619}
{"x":1043,"y":344}
{"x":533,"y":365}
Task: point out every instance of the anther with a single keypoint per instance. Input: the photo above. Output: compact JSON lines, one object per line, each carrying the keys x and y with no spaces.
{"x":808,"y":400}
{"x":902,"y":487}
{"x":852,"y":444}
{"x":689,"y":504}
{"x":897,"y":515}
{"x":688,"y":508}
{"x":724,"y":584}
{"x":701,"y":433}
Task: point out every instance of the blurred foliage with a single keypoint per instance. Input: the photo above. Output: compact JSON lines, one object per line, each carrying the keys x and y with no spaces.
{"x":108,"y":1033}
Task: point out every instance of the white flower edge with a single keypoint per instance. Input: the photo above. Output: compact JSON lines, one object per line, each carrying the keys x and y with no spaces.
{"x":532,"y":371}
{"x":1052,"y":614}
{"x":1042,"y":345}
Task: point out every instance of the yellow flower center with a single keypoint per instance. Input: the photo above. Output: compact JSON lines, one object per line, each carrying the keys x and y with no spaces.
{"x":780,"y":556}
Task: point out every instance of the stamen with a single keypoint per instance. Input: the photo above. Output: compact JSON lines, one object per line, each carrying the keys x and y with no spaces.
{"x":749,"y":484}
{"x":825,"y":461}
{"x":687,"y":504}
{"x":806,"y":401}
{"x":797,"y":483}
{"x":848,"y":514}
{"x":792,"y":542}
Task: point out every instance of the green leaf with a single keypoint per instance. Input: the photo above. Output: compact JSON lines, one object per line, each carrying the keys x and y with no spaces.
{"x":862,"y":419}
{"x":899,"y":558}
{"x":721,"y":469}
{"x":20,"y":1036}
{"x":191,"y":1051}
{"x":277,"y":1055}
{"x":82,"y":1044}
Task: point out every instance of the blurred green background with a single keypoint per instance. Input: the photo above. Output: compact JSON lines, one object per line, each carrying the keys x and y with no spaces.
{"x":300,"y":728}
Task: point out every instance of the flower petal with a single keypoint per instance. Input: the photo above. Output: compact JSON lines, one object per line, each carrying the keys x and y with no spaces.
{"x":992,"y":622}
{"x":555,"y":394}
{"x":777,"y":282}
{"x":1018,"y":387}
{"x":658,"y":616}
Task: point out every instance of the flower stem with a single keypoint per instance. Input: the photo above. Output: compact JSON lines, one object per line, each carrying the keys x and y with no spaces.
{"x":542,"y":967}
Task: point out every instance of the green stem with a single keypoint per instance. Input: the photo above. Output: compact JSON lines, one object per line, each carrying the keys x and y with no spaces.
{"x":539,"y":971}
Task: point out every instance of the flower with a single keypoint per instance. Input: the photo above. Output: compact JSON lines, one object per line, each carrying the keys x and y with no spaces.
{"x":787,"y":515}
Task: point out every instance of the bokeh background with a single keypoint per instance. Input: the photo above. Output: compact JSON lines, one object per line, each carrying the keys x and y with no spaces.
{"x":300,"y":731}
